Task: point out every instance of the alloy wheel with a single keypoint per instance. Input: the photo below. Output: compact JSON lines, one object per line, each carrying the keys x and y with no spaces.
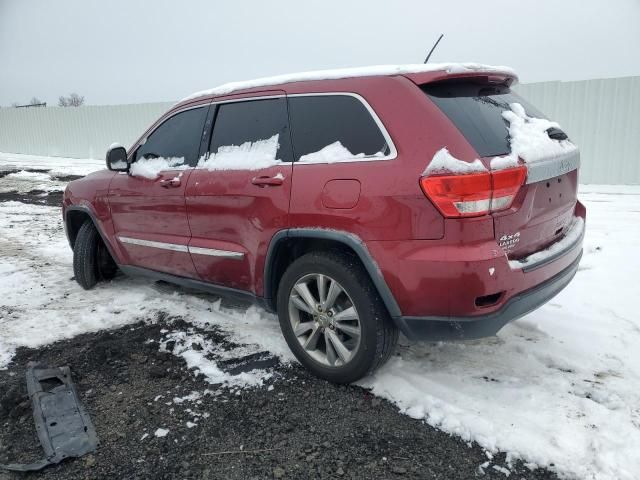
{"x":324,"y":320}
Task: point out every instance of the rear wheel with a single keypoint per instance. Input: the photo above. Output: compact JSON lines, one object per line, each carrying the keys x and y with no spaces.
{"x":91,"y":259}
{"x":332,"y":317}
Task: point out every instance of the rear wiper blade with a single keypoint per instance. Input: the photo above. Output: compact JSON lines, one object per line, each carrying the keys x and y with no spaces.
{"x":556,"y":134}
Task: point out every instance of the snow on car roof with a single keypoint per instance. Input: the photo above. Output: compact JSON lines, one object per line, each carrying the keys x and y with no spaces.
{"x":376,"y":70}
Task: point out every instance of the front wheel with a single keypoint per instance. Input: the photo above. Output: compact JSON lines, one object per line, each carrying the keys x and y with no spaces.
{"x":333,"y":318}
{"x":91,"y":259}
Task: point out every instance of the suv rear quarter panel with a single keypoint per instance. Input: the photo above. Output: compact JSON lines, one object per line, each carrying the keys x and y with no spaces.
{"x":391,"y":205}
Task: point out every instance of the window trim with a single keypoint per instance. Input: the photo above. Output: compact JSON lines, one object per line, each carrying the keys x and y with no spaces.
{"x":142,"y":140}
{"x":214,"y":104}
{"x":393,"y":152}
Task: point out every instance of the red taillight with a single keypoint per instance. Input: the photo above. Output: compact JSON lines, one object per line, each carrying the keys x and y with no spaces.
{"x":474,"y":194}
{"x":506,"y":184}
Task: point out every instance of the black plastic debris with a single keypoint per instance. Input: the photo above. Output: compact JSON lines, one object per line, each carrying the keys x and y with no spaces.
{"x":63,"y":426}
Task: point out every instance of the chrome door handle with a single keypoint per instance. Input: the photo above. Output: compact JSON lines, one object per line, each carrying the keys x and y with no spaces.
{"x":170,"y":183}
{"x":266,"y":181}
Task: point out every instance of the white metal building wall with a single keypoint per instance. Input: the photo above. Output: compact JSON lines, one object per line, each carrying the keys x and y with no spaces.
{"x":76,"y":132}
{"x":601,"y":116}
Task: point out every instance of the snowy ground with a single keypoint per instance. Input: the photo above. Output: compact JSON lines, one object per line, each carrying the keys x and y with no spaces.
{"x":559,"y":388}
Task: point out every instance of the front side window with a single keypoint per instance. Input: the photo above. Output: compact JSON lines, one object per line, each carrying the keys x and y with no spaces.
{"x":328,"y":128}
{"x":178,"y":138}
{"x":249,"y":135}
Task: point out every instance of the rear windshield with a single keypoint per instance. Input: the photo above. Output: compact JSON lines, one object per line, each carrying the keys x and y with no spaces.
{"x":476,"y":110}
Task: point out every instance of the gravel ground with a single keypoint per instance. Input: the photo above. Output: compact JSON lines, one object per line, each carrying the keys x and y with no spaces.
{"x":295,"y":426}
{"x":36,"y":197}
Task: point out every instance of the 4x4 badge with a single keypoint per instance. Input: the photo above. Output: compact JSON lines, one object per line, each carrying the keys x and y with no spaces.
{"x":509,"y":241}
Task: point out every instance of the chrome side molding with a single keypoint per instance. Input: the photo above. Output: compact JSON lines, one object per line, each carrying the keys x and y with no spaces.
{"x":212,"y":252}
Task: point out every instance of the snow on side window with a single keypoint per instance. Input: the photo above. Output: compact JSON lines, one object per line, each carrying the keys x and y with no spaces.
{"x":150,"y":168}
{"x":335,"y":152}
{"x":248,"y":156}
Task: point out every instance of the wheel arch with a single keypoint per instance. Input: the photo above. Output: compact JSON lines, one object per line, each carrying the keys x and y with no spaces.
{"x":287,"y":245}
{"x":74,"y":218}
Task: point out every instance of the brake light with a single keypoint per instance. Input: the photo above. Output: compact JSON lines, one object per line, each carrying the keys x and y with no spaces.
{"x":474,"y":194}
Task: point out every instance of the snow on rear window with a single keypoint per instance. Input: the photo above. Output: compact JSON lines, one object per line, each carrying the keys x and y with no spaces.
{"x":150,"y":168}
{"x":528,"y":137}
{"x":476,"y":110}
{"x":248,"y":156}
{"x":528,"y":141}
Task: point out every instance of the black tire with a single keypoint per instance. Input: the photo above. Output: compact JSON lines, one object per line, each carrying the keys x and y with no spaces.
{"x":91,"y":259}
{"x":379,"y":335}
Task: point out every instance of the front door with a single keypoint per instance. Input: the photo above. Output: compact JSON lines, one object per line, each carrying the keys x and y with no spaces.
{"x":148,"y":204}
{"x":238,"y":197}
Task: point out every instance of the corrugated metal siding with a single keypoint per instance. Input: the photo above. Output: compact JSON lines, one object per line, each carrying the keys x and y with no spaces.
{"x":81,"y":132}
{"x":601,"y":116}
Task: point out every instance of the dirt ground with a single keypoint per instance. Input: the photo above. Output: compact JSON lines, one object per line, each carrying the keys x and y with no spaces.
{"x":296,"y":427}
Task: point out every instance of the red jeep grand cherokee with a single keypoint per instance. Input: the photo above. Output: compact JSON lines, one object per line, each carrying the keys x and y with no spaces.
{"x":430,"y":200}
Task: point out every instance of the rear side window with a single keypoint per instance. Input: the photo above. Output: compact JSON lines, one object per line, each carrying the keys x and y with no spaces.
{"x":247,"y":134}
{"x":178,"y":137}
{"x":334,"y":128}
{"x":476,"y":110}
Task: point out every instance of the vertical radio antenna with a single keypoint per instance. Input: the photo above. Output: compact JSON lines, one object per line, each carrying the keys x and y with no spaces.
{"x":434,"y":47}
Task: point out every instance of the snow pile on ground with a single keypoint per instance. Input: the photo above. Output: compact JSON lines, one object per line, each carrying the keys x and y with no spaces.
{"x":23,"y":181}
{"x":41,"y":303}
{"x":199,"y":353}
{"x":248,"y":156}
{"x":56,"y":165}
{"x":335,"y":152}
{"x":560,"y":386}
{"x":33,"y":176}
{"x":529,"y":139}
{"x":443,"y":162}
{"x":375,"y":70}
{"x":151,"y":167}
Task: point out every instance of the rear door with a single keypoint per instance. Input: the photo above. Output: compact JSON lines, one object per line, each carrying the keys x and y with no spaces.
{"x":238,"y":197}
{"x":148,"y":206}
{"x":544,"y":207}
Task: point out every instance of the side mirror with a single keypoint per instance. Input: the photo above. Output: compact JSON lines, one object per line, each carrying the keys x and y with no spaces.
{"x":117,"y":158}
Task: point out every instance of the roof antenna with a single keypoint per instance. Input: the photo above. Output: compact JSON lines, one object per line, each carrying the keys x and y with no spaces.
{"x":433,"y":48}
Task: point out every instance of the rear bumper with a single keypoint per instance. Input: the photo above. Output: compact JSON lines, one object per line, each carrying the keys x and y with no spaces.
{"x":479,"y":326}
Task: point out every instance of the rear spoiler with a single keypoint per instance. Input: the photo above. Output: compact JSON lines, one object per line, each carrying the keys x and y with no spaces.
{"x":496,"y":77}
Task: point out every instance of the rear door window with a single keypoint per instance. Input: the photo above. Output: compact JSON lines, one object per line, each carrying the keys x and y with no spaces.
{"x":334,"y":128}
{"x":177,"y":138}
{"x":250,"y":134}
{"x":476,"y":110}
